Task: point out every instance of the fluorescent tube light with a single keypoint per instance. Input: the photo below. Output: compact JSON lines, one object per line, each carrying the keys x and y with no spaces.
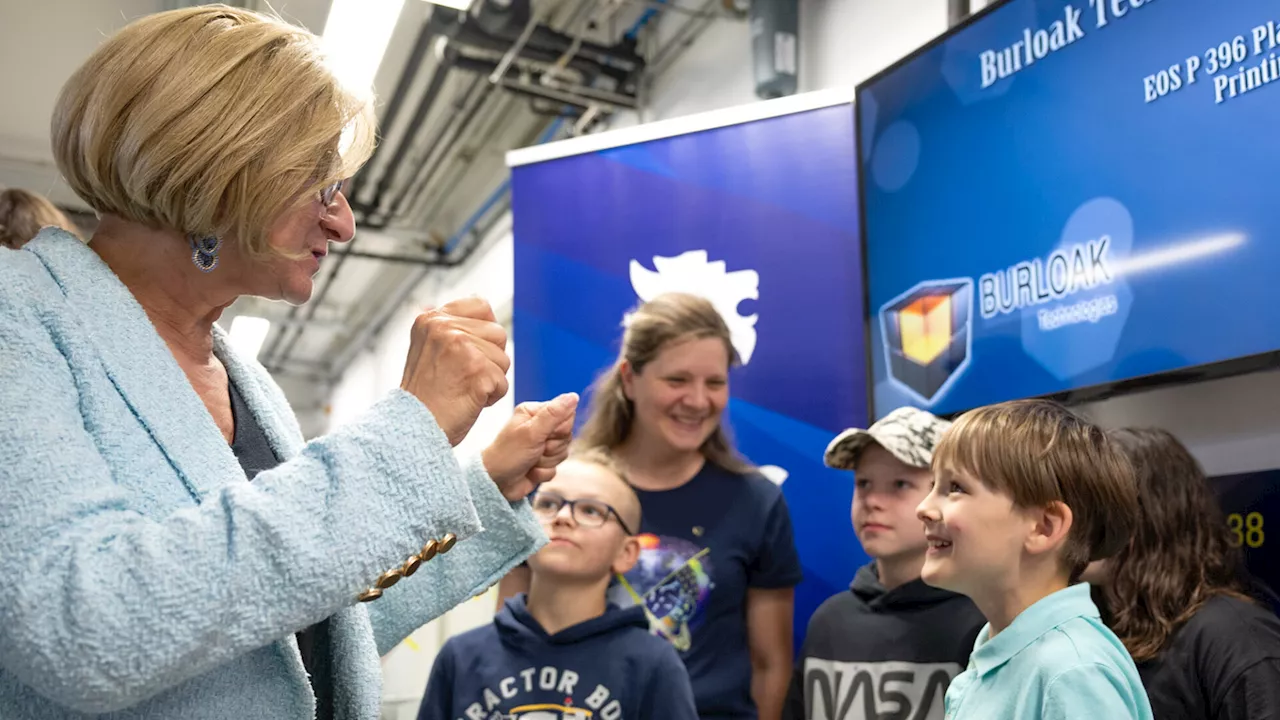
{"x":356,"y":36}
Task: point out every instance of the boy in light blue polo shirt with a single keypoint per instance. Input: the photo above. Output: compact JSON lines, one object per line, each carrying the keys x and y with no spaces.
{"x":1025,"y":495}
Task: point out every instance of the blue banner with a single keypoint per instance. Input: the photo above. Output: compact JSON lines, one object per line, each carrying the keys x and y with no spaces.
{"x":1070,"y":194}
{"x":760,"y":218}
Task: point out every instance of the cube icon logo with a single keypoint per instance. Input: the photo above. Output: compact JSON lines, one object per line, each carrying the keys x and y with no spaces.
{"x":927,"y":336}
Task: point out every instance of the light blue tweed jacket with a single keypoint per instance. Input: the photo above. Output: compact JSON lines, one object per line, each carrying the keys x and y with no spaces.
{"x":141,"y":575}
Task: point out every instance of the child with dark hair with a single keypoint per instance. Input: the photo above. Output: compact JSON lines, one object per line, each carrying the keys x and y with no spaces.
{"x":1176,"y":595}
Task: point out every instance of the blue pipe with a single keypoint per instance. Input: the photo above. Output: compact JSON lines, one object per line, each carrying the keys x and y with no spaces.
{"x":644,"y":19}
{"x":497,"y":195}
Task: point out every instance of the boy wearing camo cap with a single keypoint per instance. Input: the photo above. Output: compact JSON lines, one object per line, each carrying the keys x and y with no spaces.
{"x":890,"y":643}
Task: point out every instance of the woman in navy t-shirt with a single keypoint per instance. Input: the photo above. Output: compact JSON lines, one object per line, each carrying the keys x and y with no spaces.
{"x":719,"y":567}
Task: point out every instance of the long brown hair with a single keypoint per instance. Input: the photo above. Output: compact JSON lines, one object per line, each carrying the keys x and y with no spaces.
{"x":1180,"y":555}
{"x":23,"y":214}
{"x":654,"y":326}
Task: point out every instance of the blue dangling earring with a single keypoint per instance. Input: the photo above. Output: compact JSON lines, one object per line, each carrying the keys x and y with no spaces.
{"x":204,"y":251}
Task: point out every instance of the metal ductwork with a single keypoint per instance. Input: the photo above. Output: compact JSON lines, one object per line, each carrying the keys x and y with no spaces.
{"x":510,"y":20}
{"x":508,"y":47}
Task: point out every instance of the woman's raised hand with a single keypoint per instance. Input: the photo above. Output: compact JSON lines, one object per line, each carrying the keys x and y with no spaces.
{"x":531,"y":445}
{"x":457,"y":363}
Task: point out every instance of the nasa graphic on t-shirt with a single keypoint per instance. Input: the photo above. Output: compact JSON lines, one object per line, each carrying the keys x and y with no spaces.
{"x":673,"y":579}
{"x":837,"y":690}
{"x":507,"y":699}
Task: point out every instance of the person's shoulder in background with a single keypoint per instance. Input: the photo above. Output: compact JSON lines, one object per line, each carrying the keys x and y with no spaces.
{"x":1233,"y":647}
{"x":22,"y":273}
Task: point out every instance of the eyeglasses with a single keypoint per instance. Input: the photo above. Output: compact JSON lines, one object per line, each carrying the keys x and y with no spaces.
{"x":330,"y":193}
{"x":587,"y":513}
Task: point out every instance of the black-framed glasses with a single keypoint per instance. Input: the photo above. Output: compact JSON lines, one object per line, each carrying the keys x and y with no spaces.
{"x":330,"y":193}
{"x":586,"y":512}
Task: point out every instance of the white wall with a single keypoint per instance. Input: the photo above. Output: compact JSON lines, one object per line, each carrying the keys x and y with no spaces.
{"x":1232,"y":425}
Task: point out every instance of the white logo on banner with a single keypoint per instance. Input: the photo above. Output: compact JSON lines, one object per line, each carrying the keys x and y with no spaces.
{"x":775,"y":474}
{"x":692,"y":273}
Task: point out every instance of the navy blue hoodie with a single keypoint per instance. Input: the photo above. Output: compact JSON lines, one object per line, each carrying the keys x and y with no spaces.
{"x":607,"y":668}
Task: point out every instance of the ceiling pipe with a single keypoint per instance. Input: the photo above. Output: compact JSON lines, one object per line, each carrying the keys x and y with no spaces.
{"x":447,"y":138}
{"x":547,"y":88}
{"x":491,"y":113}
{"x":471,"y":35}
{"x":682,"y":39}
{"x":417,"y":58}
{"x":386,"y":204}
{"x":487,"y":67}
{"x":377,"y":212}
{"x":500,"y":71}
{"x":377,"y":216}
{"x":508,"y":21}
{"x":427,"y":260}
{"x":958,"y":11}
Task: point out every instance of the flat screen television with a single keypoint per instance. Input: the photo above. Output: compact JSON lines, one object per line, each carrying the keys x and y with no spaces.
{"x":1069,"y":199}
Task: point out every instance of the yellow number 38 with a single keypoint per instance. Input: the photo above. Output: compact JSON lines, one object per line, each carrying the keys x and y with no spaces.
{"x":1246,"y":529}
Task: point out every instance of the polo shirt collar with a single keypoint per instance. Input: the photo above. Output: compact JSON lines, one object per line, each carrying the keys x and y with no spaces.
{"x":1045,"y":615}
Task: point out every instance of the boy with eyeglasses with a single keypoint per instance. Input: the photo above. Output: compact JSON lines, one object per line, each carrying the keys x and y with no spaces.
{"x":562,"y":651}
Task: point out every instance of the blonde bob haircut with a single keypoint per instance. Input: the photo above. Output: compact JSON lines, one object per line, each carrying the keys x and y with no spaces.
{"x":209,"y":120}
{"x":1037,"y":452}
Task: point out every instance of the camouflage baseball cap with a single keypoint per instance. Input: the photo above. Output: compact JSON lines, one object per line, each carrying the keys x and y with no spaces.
{"x":910,"y":434}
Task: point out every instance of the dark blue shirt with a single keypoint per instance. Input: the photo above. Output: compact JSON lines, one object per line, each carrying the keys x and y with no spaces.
{"x":704,"y":544}
{"x":253,"y":450}
{"x":607,"y":668}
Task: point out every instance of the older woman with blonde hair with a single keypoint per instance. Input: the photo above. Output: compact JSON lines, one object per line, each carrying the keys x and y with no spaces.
{"x":24,"y":213}
{"x":170,"y":547}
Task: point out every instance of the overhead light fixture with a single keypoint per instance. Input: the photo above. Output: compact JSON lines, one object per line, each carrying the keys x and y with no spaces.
{"x":356,"y":36}
{"x":248,"y":333}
